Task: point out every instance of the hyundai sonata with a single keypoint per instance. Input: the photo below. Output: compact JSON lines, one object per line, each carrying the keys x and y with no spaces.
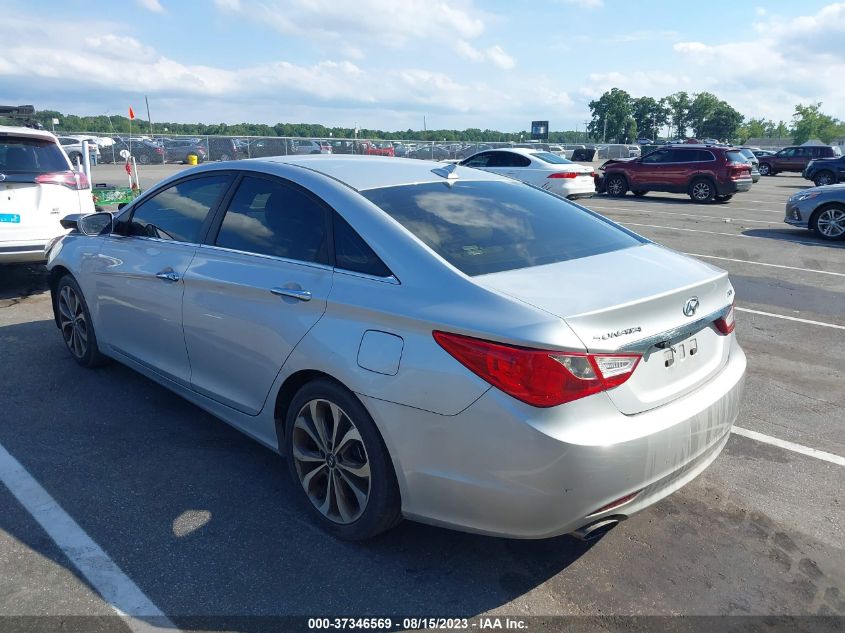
{"x":424,"y":341}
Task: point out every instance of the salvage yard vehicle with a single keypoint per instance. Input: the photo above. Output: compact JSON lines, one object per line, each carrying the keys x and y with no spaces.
{"x":796,"y":158}
{"x":539,"y":168}
{"x":825,"y":171}
{"x":706,"y":173}
{"x":39,"y":187}
{"x":820,"y":209}
{"x":420,"y":340}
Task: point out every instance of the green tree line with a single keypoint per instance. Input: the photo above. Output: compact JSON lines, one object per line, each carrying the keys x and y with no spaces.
{"x":117,"y":124}
{"x":617,"y":117}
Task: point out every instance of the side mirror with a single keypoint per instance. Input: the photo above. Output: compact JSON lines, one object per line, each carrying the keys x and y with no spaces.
{"x":96,"y":224}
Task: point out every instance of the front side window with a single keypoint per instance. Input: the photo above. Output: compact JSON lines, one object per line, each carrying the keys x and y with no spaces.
{"x":269,"y":217}
{"x":787,"y":153}
{"x":179,"y":211}
{"x":660,"y":156}
{"x":485,"y":227}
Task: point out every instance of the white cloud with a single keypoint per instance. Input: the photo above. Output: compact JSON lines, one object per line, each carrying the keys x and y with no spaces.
{"x":494,"y":54}
{"x":151,"y":5}
{"x":385,"y":22}
{"x":589,"y":4}
{"x":228,"y":5}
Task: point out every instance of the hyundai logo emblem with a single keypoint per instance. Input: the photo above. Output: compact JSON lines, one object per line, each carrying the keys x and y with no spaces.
{"x":691,"y":306}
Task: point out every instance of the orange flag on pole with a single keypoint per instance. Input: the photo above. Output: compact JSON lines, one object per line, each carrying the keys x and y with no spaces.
{"x":131,"y":113}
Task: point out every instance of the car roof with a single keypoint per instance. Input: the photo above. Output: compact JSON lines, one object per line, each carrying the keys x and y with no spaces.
{"x":373,"y":172}
{"x":14,"y":130}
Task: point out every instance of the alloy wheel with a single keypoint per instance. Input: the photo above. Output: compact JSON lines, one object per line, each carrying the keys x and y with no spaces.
{"x":701,"y":191}
{"x":831,"y":222}
{"x":331,"y":461}
{"x":615,"y":187}
{"x":72,"y":322}
{"x":823,"y":179}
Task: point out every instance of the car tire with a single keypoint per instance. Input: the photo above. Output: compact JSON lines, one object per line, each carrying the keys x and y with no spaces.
{"x":75,"y":156}
{"x":824,"y":178}
{"x":75,"y":324}
{"x":765,"y":169}
{"x":702,"y":190}
{"x":225,"y":156}
{"x":347,"y":482}
{"x":828,"y":222}
{"x":144,"y":159}
{"x":724,"y":198}
{"x":616,"y":186}
{"x":639,"y":192}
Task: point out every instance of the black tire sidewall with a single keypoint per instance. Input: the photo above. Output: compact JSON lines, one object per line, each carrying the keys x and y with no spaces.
{"x":92,"y":356}
{"x":709,"y":183}
{"x":818,"y":177}
{"x":383,"y":509}
{"x":611,"y":179}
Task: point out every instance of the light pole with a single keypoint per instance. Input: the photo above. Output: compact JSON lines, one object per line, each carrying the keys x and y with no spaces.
{"x":604,"y":134}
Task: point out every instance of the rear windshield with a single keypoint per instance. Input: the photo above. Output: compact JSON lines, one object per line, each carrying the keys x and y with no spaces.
{"x":31,"y":155}
{"x":488,"y":226}
{"x":548,"y":157}
{"x":747,"y":153}
{"x":735,"y":156}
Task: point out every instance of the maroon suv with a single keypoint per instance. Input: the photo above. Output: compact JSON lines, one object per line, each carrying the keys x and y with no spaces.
{"x":795,"y":158}
{"x":704,"y":172}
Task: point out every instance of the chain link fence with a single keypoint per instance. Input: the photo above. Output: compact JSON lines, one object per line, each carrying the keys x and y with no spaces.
{"x":163,"y":149}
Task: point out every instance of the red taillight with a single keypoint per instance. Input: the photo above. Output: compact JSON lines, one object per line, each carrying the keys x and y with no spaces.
{"x":563,"y":174}
{"x":70,"y":179}
{"x":727,"y":323}
{"x":615,"y":504}
{"x":159,"y":150}
{"x":541,"y":378}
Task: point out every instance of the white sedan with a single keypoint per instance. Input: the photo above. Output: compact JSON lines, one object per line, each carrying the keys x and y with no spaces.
{"x":541,"y":169}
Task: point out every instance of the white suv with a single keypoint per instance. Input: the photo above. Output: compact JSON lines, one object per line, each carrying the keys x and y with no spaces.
{"x":38,"y":187}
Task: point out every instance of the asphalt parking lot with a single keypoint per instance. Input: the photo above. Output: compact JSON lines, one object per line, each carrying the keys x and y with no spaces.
{"x":201,"y":519}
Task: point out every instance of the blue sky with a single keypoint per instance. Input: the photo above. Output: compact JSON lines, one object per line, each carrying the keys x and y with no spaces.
{"x":386,"y":64}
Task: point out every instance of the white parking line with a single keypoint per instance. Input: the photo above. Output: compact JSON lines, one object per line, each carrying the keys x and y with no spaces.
{"x":745,"y":261}
{"x":721,"y":218}
{"x":115,"y":587}
{"x":790,"y":446}
{"x":750,"y":237}
{"x":790,"y":318}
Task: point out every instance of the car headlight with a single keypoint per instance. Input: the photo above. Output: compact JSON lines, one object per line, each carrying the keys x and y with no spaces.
{"x":809,"y":195}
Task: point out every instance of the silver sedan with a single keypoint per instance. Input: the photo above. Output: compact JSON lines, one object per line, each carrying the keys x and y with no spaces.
{"x":436,"y":343}
{"x":820,"y":209}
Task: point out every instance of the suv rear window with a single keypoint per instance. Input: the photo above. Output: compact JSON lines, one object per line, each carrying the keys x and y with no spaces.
{"x":734,"y":156}
{"x":488,"y":227}
{"x":31,"y":155}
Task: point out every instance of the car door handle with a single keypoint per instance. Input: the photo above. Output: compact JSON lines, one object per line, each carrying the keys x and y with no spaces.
{"x":302,"y":295}
{"x":168,"y":275}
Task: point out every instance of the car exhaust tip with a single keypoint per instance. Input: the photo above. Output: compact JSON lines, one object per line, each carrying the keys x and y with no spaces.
{"x":592,"y":532}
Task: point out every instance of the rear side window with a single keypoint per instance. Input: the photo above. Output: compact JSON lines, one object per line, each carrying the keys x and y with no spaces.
{"x":179,"y":211}
{"x":554,"y":159}
{"x":479,"y":160}
{"x":487,"y":227}
{"x":352,"y":253}
{"x":507,"y":159}
{"x":270,"y":217}
{"x":31,"y":155}
{"x":735,"y":156}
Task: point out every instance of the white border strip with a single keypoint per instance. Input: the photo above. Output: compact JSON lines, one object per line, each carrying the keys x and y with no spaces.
{"x":745,"y":261}
{"x":789,"y":318}
{"x":790,"y":446}
{"x":115,"y":587}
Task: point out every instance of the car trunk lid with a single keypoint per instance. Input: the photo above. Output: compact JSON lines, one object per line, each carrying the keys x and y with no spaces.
{"x":634,"y":300}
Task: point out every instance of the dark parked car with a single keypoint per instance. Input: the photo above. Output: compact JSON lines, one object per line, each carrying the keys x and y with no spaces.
{"x":753,"y":161}
{"x":796,"y":158}
{"x":146,"y":152}
{"x":178,"y":150}
{"x":704,"y":172}
{"x":429,"y":152}
{"x":820,"y":209}
{"x":221,"y":148}
{"x":825,"y":171}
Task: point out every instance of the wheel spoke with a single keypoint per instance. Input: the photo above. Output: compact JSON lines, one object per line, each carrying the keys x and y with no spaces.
{"x":303,"y":455}
{"x":351,"y":435}
{"x":343,"y":506}
{"x":326,"y":506}
{"x":360,"y":495}
{"x":303,"y":424}
{"x":359,"y":470}
{"x":64,"y":310}
{"x":306,"y":480}
{"x":317,"y":419}
{"x":337,"y":415}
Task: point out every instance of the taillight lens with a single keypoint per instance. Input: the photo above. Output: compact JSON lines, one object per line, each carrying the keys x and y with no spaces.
{"x":70,"y":179}
{"x":563,"y":174}
{"x":727,"y":323}
{"x":541,"y":378}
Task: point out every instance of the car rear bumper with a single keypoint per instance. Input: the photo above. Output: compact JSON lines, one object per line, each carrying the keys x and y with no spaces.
{"x":23,"y":251}
{"x":735,"y":186}
{"x":505,"y":468}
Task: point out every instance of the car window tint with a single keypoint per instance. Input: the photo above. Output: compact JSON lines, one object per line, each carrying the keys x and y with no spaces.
{"x":479,"y":160}
{"x":787,"y":153}
{"x":660,"y":156}
{"x":485,"y":227}
{"x":179,"y":211}
{"x":735,"y":156}
{"x":554,"y":159}
{"x":500,"y":159}
{"x":31,"y":155}
{"x":703,"y":156}
{"x":352,"y":253}
{"x":269,"y":217}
